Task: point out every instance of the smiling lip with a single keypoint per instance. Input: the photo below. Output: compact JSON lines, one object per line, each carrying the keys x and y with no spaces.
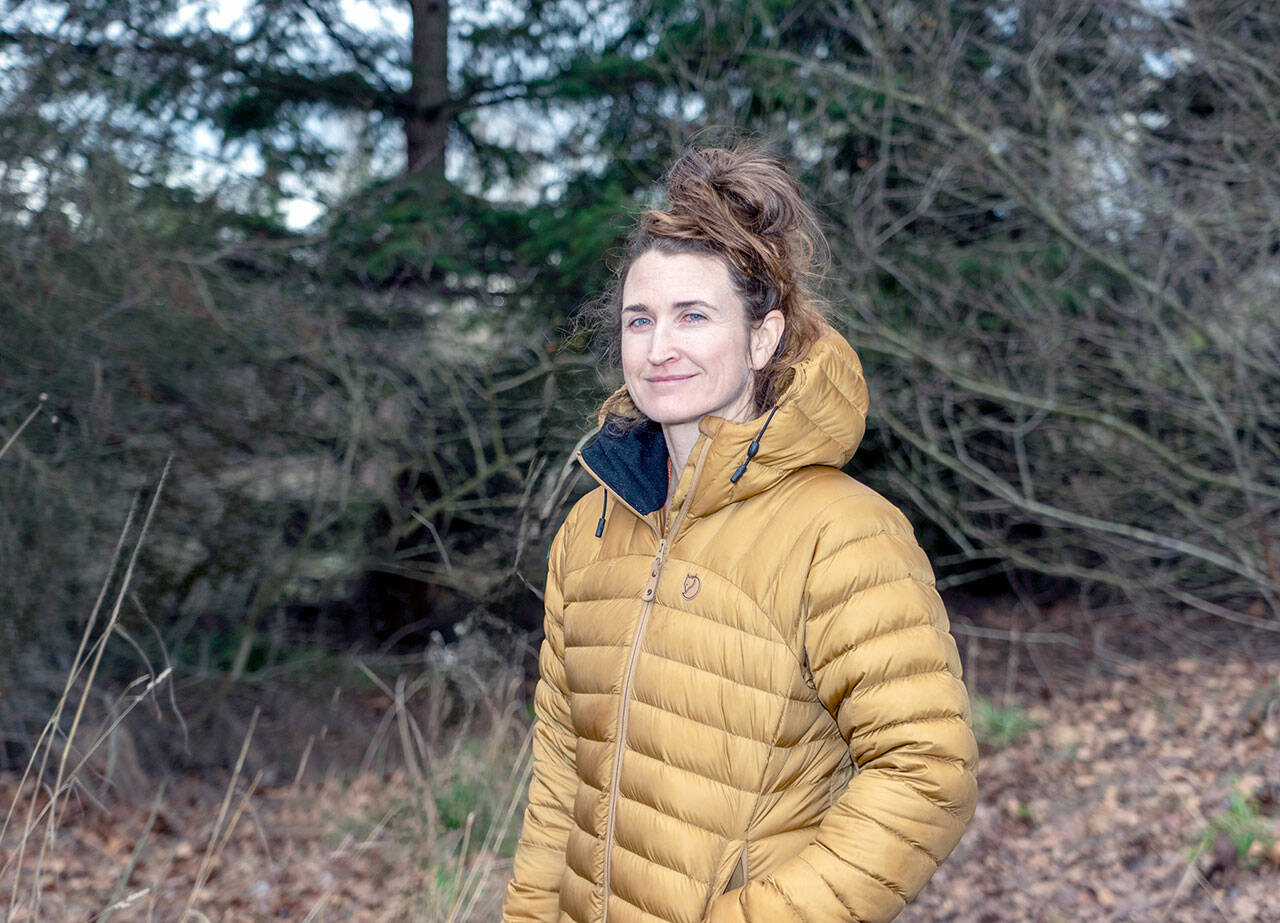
{"x":668,"y":379}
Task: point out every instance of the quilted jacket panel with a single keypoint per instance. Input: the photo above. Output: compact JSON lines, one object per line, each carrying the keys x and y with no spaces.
{"x":750,"y":710}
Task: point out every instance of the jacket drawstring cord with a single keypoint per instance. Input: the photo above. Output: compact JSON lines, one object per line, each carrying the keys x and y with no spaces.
{"x":753,"y":448}
{"x":604,"y":507}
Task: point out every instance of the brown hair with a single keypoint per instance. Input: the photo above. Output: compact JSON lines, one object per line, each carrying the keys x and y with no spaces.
{"x":743,"y":206}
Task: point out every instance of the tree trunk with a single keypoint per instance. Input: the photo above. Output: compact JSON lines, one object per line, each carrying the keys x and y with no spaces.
{"x":426,"y":126}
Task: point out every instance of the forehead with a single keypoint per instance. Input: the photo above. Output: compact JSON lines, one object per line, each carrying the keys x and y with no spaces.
{"x":658,"y":279}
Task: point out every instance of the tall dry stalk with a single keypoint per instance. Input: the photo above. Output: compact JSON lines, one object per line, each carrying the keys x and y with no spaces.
{"x":221,"y":833}
{"x":88,"y":658}
{"x":23,"y":425}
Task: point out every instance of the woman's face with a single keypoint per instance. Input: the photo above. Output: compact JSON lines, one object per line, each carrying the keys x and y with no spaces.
{"x":687,"y":347}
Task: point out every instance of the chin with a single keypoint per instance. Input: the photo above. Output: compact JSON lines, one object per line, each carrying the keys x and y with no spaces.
{"x":669,"y":413}
{"x":669,"y":418}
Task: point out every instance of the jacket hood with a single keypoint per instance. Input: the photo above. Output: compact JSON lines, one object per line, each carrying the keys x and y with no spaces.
{"x":819,"y":420}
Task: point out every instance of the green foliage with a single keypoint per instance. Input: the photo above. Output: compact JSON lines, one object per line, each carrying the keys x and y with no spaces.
{"x":1244,"y":826}
{"x":999,"y":726}
{"x":308,"y":420}
{"x":463,"y":800}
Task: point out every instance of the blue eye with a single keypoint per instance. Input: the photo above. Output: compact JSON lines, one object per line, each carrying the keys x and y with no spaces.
{"x":695,"y":316}
{"x":637,"y":321}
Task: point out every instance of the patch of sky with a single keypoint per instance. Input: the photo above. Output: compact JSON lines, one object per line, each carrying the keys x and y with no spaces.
{"x":899,"y":14}
{"x":1004,"y":17}
{"x":36,"y":16}
{"x":1153,"y":120}
{"x":1165,"y":62}
{"x":230,"y":17}
{"x":366,"y":145}
{"x":382,"y":17}
{"x":1162,"y":8}
{"x":1159,"y":63}
{"x":28,"y":182}
{"x":10,"y":60}
{"x":1109,"y":199}
{"x":532,"y":127}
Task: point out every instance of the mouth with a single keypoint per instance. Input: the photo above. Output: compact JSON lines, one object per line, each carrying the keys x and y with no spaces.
{"x":668,"y":379}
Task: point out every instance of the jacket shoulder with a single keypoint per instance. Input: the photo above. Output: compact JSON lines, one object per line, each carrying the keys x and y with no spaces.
{"x":580,"y":524}
{"x":834,"y":501}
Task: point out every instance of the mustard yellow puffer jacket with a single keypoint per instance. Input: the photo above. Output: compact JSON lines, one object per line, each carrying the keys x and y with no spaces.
{"x":752,"y":711}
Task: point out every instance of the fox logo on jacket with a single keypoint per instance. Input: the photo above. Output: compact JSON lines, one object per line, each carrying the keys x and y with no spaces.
{"x":691,"y":586}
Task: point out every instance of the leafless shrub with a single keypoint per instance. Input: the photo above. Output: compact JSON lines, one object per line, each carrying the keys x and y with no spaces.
{"x":1063,"y":221}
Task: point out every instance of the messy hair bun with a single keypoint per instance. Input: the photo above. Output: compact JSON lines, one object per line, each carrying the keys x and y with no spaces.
{"x":743,"y":206}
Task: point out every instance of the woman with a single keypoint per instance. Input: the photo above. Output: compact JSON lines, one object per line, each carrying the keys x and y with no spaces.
{"x":750,"y":708}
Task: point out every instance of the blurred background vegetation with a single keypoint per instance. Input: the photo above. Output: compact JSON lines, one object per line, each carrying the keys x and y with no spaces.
{"x":326,"y":255}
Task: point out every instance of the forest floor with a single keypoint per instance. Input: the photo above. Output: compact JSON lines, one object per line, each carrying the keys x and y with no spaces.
{"x":1145,"y":790}
{"x":1149,"y":793}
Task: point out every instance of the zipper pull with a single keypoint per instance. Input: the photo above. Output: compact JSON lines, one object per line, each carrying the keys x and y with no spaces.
{"x":654,"y":570}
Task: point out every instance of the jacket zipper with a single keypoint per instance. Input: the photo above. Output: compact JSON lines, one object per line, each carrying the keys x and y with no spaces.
{"x":628,"y":677}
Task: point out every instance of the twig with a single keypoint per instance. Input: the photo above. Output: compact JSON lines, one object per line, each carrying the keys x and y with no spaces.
{"x":202,"y":875}
{"x":115,"y":902}
{"x":1014,"y":637}
{"x":24,"y":424}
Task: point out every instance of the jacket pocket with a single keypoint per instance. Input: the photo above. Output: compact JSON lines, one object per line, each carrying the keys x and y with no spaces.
{"x":739,"y":876}
{"x":732,"y":874}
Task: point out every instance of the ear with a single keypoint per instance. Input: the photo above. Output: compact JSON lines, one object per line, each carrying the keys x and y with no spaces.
{"x":765,"y":337}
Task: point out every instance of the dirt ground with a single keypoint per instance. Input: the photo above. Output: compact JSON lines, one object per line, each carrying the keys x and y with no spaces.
{"x":1130,"y":792}
{"x":1097,"y":813}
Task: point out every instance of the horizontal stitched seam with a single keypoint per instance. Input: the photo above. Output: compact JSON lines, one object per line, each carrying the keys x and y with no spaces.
{"x":894,"y":679}
{"x":938,"y":758}
{"x":787,"y":899}
{"x":663,"y":865}
{"x":729,"y":785}
{"x":590,"y":647}
{"x":949,"y":761}
{"x":852,"y":597}
{"x":831,"y":380}
{"x":580,"y":693}
{"x":614,"y":895}
{"x":897,"y":834}
{"x":708,"y":570}
{"x":769,"y":692}
{"x":714,"y":727}
{"x":592,"y":600}
{"x":760,"y":610}
{"x":913,"y":626}
{"x":854,"y":541}
{"x":622,"y":557}
{"x":878,"y":879}
{"x":853,"y":914}
{"x":778,"y":639}
{"x":920,"y":719}
{"x":822,"y":429}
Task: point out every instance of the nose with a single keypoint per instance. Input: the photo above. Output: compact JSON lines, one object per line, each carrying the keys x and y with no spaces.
{"x":662,"y":343}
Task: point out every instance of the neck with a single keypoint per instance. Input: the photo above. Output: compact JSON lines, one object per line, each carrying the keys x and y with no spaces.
{"x":680,"y":441}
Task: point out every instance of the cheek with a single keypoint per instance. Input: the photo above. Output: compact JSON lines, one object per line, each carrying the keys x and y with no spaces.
{"x":631,"y":354}
{"x":734,"y":356}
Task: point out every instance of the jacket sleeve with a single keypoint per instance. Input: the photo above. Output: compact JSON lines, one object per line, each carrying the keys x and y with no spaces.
{"x":533,"y":894}
{"x":886,"y":667}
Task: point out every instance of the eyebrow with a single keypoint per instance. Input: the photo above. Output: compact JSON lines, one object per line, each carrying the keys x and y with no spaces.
{"x":695,"y":303}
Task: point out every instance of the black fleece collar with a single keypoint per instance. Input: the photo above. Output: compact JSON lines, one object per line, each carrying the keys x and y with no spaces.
{"x":631,"y":463}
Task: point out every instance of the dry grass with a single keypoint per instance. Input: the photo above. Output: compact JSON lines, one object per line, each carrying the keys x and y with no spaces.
{"x":422,"y":830}
{"x":430,"y":839}
{"x":328,"y":850}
